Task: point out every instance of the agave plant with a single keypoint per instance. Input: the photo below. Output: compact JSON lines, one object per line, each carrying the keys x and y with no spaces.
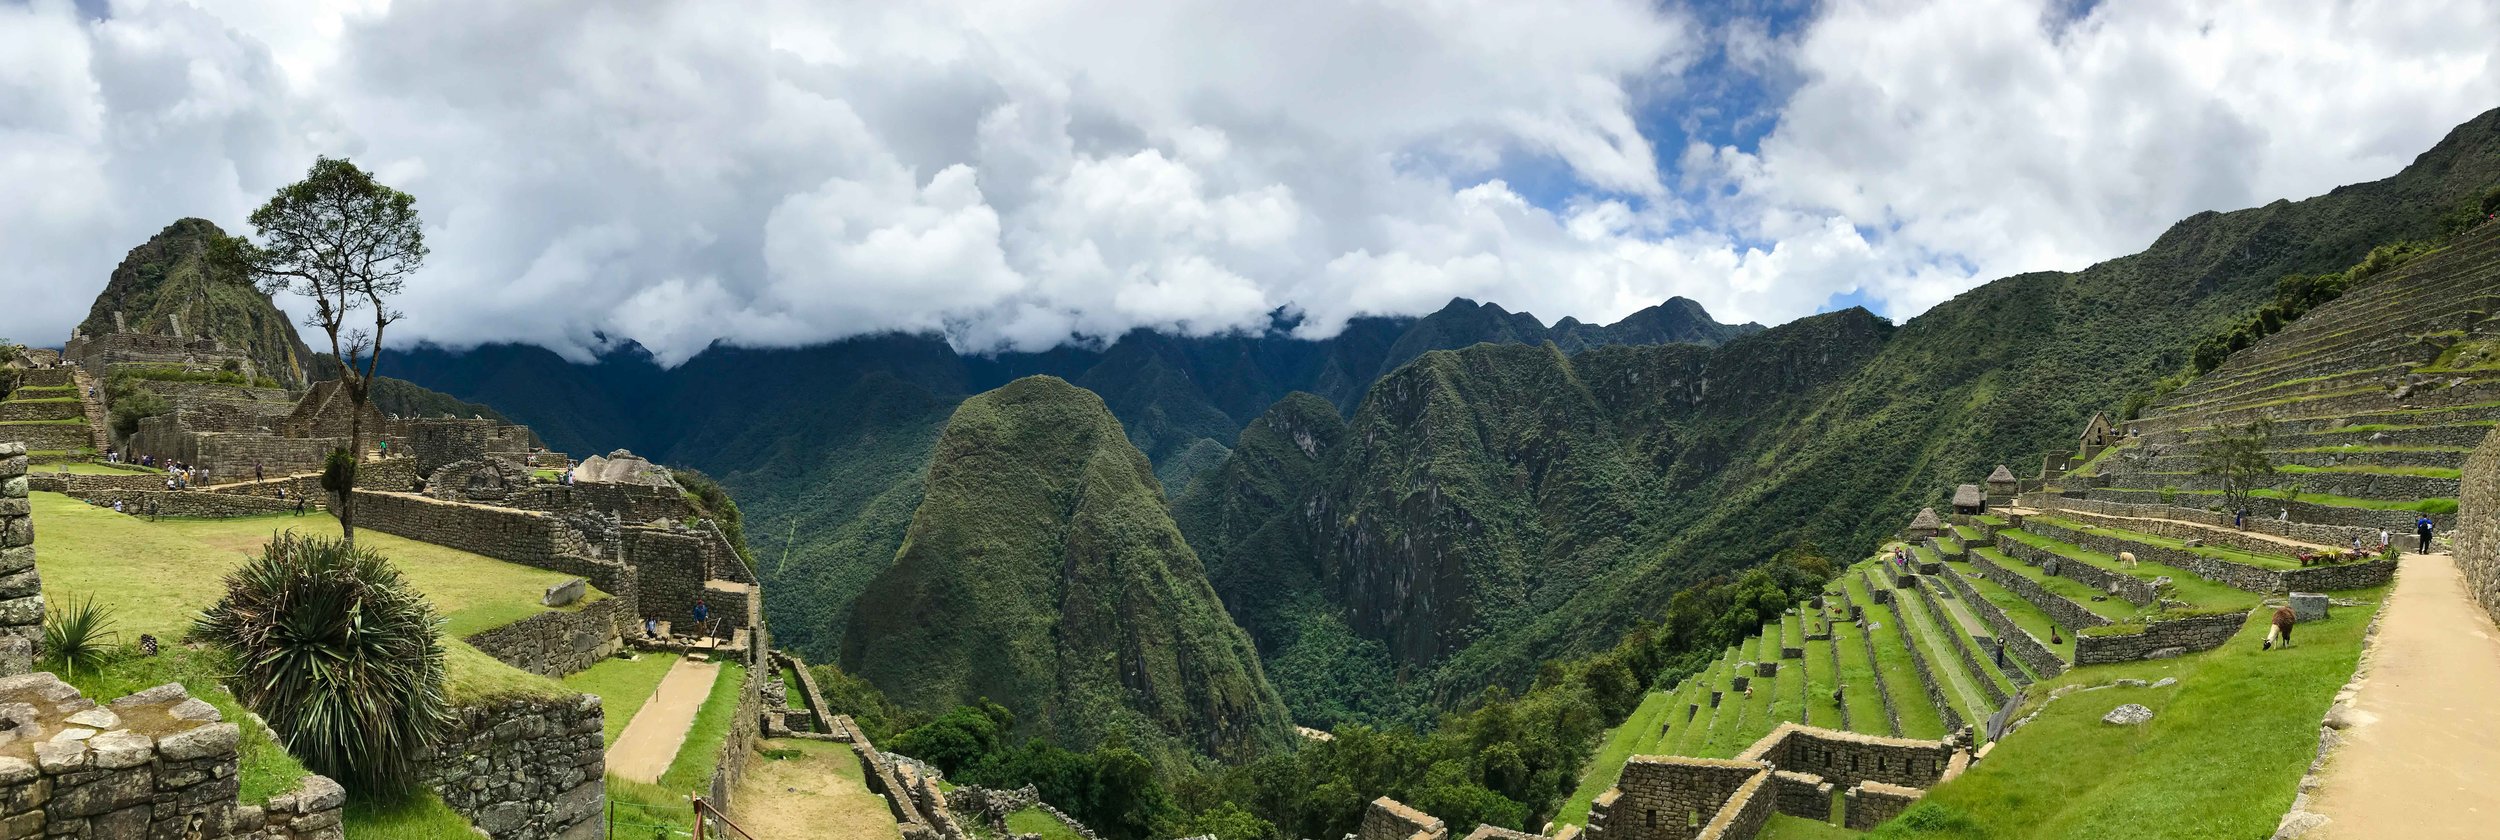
{"x":339,"y":654}
{"x":78,"y":636}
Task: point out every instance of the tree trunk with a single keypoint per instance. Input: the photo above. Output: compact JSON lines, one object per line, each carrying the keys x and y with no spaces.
{"x":355,"y":458}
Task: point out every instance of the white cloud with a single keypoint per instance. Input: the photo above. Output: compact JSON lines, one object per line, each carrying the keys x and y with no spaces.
{"x":1018,"y":173}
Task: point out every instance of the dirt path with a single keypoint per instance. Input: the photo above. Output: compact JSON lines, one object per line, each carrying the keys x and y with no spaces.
{"x":643,"y":751}
{"x":820,"y":792}
{"x":2421,"y":758}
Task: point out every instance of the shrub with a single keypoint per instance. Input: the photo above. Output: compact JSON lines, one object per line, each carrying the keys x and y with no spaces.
{"x":338,"y":472}
{"x":341,"y":657}
{"x":78,"y":636}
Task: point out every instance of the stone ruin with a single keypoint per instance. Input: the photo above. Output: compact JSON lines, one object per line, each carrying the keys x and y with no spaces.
{"x":1794,"y":771}
{"x":620,"y":467}
{"x":156,"y":764}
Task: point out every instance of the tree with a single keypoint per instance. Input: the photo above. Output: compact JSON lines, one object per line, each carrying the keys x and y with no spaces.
{"x":2237,"y":457}
{"x":347,"y":243}
{"x":339,"y":654}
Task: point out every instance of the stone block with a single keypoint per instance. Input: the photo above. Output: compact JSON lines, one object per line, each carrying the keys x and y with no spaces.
{"x":564,"y":594}
{"x":216,"y":739}
{"x":2309,"y":606}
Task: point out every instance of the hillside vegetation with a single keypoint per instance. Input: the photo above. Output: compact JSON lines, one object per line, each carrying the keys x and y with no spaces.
{"x":1042,"y":571}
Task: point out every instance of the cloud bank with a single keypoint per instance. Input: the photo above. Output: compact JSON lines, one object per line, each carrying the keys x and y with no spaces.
{"x":1023,"y":174}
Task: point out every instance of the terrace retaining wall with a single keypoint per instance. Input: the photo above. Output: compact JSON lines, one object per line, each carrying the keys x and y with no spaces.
{"x":2160,"y":639}
{"x":2059,"y":608}
{"x":525,"y":767}
{"x":559,"y":643}
{"x":2134,"y":590}
{"x":2034,"y":653}
{"x":2478,"y":525}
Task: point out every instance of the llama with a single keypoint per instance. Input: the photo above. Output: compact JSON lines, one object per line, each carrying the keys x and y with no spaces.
{"x":2126,"y":559}
{"x":2282,"y":629}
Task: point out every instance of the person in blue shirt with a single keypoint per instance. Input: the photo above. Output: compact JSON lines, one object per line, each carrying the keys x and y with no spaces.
{"x":701,"y":611}
{"x":2422,"y":528}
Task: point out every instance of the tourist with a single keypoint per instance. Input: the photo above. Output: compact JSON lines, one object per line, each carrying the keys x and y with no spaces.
{"x":2356,"y":543}
{"x":2384,"y":540}
{"x":299,"y":505}
{"x":117,"y":506}
{"x":702,"y":611}
{"x":650,"y":628}
{"x":257,"y":473}
{"x":2282,"y":629}
{"x":2422,"y":528}
{"x":2239,"y":519}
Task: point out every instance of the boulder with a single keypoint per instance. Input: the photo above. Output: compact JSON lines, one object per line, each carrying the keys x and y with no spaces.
{"x":2132,"y":714}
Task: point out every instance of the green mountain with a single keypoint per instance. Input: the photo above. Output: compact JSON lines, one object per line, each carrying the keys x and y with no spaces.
{"x":170,"y":278}
{"x":1502,"y":506}
{"x":826,"y":446}
{"x":1043,"y":572}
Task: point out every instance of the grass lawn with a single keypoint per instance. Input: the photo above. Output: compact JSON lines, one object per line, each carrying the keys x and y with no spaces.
{"x":1923,"y":629}
{"x":421,"y":816}
{"x":2184,"y":585}
{"x":1819,"y":684}
{"x":1034,"y":821}
{"x":1857,"y":677}
{"x":692,"y":771}
{"x":1785,"y":827}
{"x":623,"y":685}
{"x":1638,"y":732}
{"x":2069,"y":588}
{"x":795,"y":788}
{"x":1918,"y":717}
{"x":2221,"y":758}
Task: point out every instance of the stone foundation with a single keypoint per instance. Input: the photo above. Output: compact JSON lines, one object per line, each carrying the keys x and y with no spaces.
{"x":2173,"y":637}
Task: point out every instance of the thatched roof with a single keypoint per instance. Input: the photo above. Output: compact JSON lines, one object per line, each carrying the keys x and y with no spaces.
{"x":1968,"y":495}
{"x":1926,"y":520}
{"x":2002,"y":475}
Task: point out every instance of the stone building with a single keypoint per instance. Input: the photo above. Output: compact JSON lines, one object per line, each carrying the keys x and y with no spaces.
{"x":2002,"y":487}
{"x":1967,"y":500}
{"x":1926,"y":525}
{"x":1795,"y":770}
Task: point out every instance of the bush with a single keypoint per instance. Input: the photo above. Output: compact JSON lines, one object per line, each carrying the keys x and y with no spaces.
{"x":78,"y":637}
{"x":338,"y":472}
{"x":341,"y":657}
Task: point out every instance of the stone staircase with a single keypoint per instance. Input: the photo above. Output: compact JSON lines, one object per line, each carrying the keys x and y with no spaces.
{"x":2375,"y":399}
{"x":91,"y":396}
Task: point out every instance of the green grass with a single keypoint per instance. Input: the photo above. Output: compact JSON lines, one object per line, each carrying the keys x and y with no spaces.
{"x":2363,"y":449}
{"x":2023,"y":613}
{"x":2184,"y":585}
{"x":34,"y":400}
{"x":623,"y":686}
{"x":2068,"y":588}
{"x":2265,"y":561}
{"x":1819,"y":684}
{"x":1959,"y":689}
{"x":1960,"y":621}
{"x":1637,"y":732}
{"x":2221,"y":758}
{"x":2435,"y":506}
{"x":90,"y":468}
{"x":1785,"y":827}
{"x":2357,"y":469}
{"x":692,"y":771}
{"x":1034,"y":821}
{"x":1866,"y":706}
{"x":420,"y":816}
{"x":66,"y":421}
{"x":158,"y":576}
{"x":1918,"y":717}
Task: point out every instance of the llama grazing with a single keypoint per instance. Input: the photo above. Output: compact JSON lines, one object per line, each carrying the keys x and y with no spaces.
{"x":2126,"y":559}
{"x":2282,"y":629}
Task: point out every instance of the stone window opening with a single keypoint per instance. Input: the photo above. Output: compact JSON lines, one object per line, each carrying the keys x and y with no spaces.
{"x":1653,"y":818}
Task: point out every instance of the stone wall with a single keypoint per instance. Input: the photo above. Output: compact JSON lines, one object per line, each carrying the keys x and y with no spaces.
{"x":2478,"y":525}
{"x":188,"y":503}
{"x":1802,"y":795}
{"x":2135,"y":590}
{"x":49,"y":436}
{"x":435,"y":441}
{"x":2160,"y":639}
{"x":1745,"y":812}
{"x":1875,"y":803}
{"x":2065,"y":612}
{"x":21,"y":586}
{"x":1848,"y":758}
{"x":1389,"y":819}
{"x":885,"y":779}
{"x":730,"y":764}
{"x":2321,"y":517}
{"x":559,"y":643}
{"x":525,"y":767}
{"x":670,"y":567}
{"x":2339,"y":576}
{"x":1962,"y":647}
{"x":2024,"y":646}
{"x":1667,"y":797}
{"x":157,"y":764}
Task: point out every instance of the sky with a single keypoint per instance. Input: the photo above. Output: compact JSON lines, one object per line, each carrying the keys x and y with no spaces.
{"x":1018,"y":174}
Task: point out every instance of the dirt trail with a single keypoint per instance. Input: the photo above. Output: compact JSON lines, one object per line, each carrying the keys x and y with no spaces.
{"x":643,"y":751}
{"x":821,"y":792}
{"x":2421,"y":758}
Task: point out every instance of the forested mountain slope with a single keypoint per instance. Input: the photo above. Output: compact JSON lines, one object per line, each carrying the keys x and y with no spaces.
{"x":826,"y":446}
{"x":1041,"y":571}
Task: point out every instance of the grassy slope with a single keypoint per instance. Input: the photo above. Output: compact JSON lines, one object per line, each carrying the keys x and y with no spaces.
{"x":2220,"y":759}
{"x":623,"y":686}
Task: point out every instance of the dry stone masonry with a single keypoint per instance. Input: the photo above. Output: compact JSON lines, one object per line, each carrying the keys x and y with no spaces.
{"x":1793,"y":770}
{"x":525,"y":767}
{"x":21,"y":586}
{"x":156,"y":764}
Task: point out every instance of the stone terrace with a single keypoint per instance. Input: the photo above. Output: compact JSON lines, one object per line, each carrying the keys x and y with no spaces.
{"x":2376,"y":399}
